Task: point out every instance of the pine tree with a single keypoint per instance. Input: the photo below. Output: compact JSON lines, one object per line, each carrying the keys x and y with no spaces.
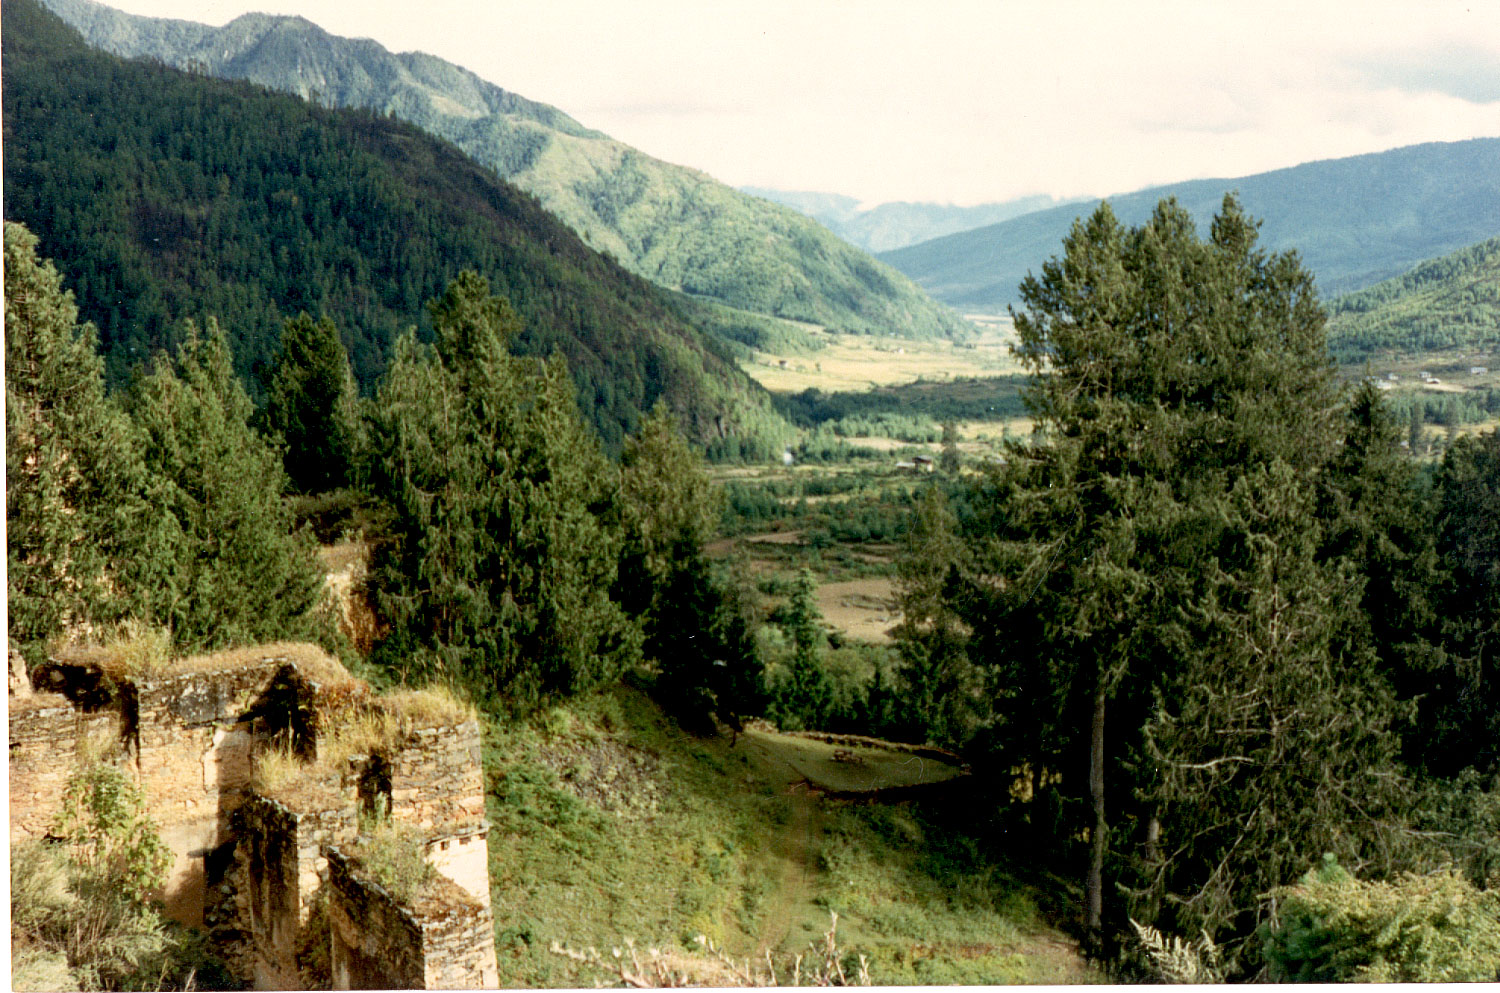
{"x":950,"y":462}
{"x":1273,"y":731}
{"x":669,"y":508}
{"x":226,"y":568}
{"x":706,"y":657}
{"x":940,"y":684}
{"x":311,"y":405}
{"x":1184,"y":398}
{"x":1462,"y":713}
{"x":805,"y":697}
{"x":72,"y":461}
{"x":1376,"y":516}
{"x":505,"y":538}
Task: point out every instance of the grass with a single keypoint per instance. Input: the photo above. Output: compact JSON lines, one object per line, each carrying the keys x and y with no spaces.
{"x":354,"y":722}
{"x":610,"y":823}
{"x":130,"y":650}
{"x":430,"y":706}
{"x":393,"y":855}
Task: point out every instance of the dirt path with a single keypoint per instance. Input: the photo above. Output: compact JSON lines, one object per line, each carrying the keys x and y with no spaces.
{"x":790,"y":851}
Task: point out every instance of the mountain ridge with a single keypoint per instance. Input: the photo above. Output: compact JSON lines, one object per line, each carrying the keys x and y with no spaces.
{"x":164,"y":195}
{"x":676,"y":226}
{"x":899,"y":223}
{"x":1355,"y":221}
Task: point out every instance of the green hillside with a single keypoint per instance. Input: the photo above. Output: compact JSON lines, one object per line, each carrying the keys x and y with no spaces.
{"x":677,"y":227}
{"x":610,"y":823}
{"x":166,"y":195}
{"x":1354,"y":221}
{"x":1452,"y":302}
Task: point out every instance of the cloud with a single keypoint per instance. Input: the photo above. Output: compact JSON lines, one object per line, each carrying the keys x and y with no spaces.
{"x":1469,"y":73}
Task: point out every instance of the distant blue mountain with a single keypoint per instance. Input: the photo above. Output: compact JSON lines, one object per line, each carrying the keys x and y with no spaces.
{"x":1355,"y":221}
{"x":889,"y":226}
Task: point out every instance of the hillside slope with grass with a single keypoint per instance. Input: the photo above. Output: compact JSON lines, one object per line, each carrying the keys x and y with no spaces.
{"x":675,"y":226}
{"x":610,"y":823}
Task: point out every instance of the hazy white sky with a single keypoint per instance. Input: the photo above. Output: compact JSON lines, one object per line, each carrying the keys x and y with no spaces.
{"x":961,"y":101}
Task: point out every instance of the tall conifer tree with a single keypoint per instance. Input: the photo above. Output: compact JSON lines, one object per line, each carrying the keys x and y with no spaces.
{"x":505,"y":536}
{"x":72,"y":466}
{"x":229,"y":569}
{"x":1186,"y":402}
{"x":311,"y":405}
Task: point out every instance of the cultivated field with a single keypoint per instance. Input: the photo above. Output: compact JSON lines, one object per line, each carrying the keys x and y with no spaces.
{"x":863,"y":609}
{"x":850,"y":362}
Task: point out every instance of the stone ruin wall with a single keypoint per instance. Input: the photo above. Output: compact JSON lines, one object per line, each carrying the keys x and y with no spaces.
{"x":445,"y":940}
{"x":194,"y":736}
{"x":437,"y":779}
{"x":247,"y":868}
{"x":46,"y":730}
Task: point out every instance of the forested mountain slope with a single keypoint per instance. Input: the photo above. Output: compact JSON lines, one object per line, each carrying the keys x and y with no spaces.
{"x":166,"y":195}
{"x":1354,"y":221}
{"x":676,"y":226}
{"x":1447,"y":302}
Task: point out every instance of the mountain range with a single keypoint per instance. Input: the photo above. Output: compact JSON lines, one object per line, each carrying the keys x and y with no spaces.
{"x":675,"y":226}
{"x":163,"y":195}
{"x":888,"y":226}
{"x":1355,"y":221}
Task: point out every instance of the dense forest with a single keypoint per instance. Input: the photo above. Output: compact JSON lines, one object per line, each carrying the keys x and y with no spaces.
{"x":168,"y":196}
{"x":675,"y":226}
{"x":1447,"y":303}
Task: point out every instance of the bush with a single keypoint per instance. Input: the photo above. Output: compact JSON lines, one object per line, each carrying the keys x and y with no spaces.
{"x":394,"y":856}
{"x":82,"y":913}
{"x":1336,"y":928}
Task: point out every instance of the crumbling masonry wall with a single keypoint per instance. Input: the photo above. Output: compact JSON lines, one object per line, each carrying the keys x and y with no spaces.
{"x":46,"y":734}
{"x":445,"y":941}
{"x":437,"y":784}
{"x":247,"y":867}
{"x":282,"y":868}
{"x":195,"y":732}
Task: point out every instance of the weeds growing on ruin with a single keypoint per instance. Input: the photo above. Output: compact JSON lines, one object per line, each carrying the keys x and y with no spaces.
{"x":393,"y":855}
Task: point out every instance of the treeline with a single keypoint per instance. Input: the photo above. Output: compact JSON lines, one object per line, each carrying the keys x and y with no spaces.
{"x":1216,"y":625}
{"x":910,"y":408}
{"x":511,"y":557}
{"x":1445,"y":409}
{"x":168,"y":196}
{"x":1452,"y":302}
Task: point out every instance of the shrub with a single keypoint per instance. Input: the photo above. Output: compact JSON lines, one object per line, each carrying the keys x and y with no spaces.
{"x":393,"y":855}
{"x":112,"y":842}
{"x":1336,"y":928}
{"x":82,"y":916}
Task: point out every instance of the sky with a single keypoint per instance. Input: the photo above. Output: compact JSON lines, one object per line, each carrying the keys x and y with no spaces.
{"x":962,"y":101}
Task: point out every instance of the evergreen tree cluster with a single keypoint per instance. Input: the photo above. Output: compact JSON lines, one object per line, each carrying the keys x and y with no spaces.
{"x":510,"y":555}
{"x":1209,"y":621}
{"x":1446,"y":303}
{"x":161,"y":504}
